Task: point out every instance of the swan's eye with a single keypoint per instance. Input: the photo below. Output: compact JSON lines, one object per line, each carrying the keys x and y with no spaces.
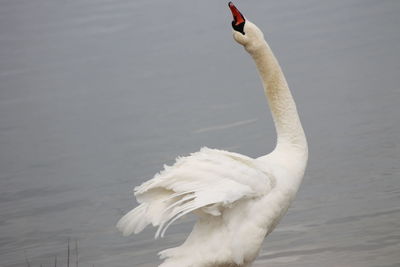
{"x":238,"y":19}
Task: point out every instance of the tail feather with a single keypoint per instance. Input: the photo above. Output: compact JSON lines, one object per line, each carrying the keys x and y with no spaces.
{"x":134,"y":221}
{"x":162,"y":212}
{"x":175,"y":216}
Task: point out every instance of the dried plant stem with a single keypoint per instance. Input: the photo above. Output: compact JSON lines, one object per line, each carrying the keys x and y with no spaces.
{"x":68,"y":252}
{"x":76,"y":253}
{"x":26,"y":260}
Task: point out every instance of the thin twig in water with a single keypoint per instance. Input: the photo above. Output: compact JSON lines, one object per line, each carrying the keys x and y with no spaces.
{"x":76,"y":253}
{"x":68,"y":254}
{"x":26,"y":259}
{"x":55,"y":261}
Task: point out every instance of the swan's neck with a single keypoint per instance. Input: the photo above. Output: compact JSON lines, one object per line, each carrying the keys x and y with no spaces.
{"x":290,"y":134}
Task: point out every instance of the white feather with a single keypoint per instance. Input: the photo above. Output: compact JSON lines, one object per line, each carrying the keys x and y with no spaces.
{"x":207,"y":178}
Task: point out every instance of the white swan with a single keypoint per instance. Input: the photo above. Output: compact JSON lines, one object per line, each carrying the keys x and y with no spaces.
{"x":239,"y":200}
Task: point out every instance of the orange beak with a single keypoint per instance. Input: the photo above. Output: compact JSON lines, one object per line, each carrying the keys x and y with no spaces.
{"x":237,"y":16}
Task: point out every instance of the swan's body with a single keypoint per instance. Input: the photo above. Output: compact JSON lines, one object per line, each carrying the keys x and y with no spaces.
{"x":239,"y":200}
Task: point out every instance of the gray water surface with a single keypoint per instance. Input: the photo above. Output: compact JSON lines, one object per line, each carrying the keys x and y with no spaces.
{"x":96,"y":95}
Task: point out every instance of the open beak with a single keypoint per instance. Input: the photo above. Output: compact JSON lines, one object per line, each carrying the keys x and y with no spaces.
{"x":238,"y":19}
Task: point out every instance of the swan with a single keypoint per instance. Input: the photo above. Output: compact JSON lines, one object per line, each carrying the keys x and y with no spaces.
{"x":238,"y":200}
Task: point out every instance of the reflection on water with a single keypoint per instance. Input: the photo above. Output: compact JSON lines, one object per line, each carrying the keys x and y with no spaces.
{"x":97,"y":95}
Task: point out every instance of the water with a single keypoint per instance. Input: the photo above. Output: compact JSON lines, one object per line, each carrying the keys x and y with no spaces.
{"x":96,"y":95}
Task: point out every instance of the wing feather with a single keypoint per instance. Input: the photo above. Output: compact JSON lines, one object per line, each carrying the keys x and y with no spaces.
{"x":209,"y":180}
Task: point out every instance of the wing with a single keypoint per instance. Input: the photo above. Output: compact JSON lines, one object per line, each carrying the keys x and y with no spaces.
{"x":207,"y":181}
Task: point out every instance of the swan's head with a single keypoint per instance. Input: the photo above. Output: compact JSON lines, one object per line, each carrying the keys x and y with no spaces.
{"x":245,"y":32}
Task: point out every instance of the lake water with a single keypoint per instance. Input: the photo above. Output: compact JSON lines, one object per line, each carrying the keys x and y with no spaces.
{"x":96,"y":95}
